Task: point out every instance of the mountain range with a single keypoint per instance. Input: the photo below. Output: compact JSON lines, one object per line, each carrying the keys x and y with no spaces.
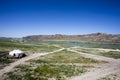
{"x":94,"y":37}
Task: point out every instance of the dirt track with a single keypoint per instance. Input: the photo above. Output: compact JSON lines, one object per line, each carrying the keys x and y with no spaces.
{"x":113,"y":66}
{"x":21,"y":61}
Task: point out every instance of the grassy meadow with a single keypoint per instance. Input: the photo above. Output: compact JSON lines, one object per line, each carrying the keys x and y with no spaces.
{"x":28,"y":48}
{"x":65,"y":57}
{"x":55,"y":66}
{"x":50,"y":67}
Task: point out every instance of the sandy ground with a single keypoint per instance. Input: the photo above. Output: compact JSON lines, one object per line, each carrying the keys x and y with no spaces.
{"x":21,"y":61}
{"x":112,"y":67}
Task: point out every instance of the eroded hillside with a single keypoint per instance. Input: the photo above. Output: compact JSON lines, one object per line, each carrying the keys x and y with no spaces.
{"x":96,"y":37}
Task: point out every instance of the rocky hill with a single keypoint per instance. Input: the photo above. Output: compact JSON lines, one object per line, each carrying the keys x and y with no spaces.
{"x":95,"y":37}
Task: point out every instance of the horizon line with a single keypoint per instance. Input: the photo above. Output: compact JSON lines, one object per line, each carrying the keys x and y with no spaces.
{"x":60,"y":34}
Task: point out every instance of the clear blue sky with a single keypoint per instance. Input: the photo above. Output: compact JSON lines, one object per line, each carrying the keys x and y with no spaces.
{"x":20,"y":18}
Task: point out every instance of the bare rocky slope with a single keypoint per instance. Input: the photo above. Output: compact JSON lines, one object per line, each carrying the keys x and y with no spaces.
{"x":95,"y":37}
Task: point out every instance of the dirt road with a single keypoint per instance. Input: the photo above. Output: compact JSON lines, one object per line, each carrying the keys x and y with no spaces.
{"x":21,"y":61}
{"x":113,"y":66}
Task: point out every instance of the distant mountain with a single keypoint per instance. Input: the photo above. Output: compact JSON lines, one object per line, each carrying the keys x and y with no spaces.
{"x":95,"y":37}
{"x":6,"y":39}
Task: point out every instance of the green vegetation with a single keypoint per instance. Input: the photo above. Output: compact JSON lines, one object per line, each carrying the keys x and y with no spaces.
{"x":45,"y":72}
{"x":27,"y":47}
{"x":45,"y":67}
{"x":4,"y":60}
{"x":112,"y":54}
{"x":65,"y":57}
